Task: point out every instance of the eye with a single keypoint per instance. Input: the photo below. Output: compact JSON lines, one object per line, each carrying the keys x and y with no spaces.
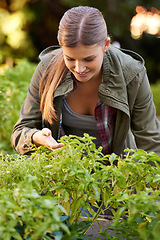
{"x":70,"y":59}
{"x":89,"y":59}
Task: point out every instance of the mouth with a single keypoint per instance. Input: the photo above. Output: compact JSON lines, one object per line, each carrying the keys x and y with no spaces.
{"x":82,"y":74}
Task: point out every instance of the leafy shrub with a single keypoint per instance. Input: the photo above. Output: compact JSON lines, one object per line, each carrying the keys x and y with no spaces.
{"x":77,"y":176}
{"x":27,"y":215}
{"x":13,"y":90}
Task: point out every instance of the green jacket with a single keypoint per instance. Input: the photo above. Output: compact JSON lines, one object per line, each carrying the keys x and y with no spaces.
{"x":125,"y":87}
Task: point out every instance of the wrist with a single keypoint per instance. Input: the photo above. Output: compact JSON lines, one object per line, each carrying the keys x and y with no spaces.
{"x":33,"y":140}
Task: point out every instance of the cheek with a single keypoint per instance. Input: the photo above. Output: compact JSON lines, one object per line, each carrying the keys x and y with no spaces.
{"x":69,"y":64}
{"x":99,"y":62}
{"x":97,"y":65}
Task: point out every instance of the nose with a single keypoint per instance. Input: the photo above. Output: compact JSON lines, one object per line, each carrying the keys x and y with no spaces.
{"x":80,"y":67}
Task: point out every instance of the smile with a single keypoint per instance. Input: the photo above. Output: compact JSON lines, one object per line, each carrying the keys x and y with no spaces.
{"x":82,"y":74}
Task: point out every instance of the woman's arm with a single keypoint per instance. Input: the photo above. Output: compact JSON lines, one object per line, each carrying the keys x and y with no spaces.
{"x":144,"y":123}
{"x":29,"y":127}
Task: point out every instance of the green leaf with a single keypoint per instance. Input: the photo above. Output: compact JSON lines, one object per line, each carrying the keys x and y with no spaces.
{"x":156,"y":230}
{"x":105,"y":196}
{"x":142,"y":230}
{"x":96,"y":191}
{"x":72,"y":236}
{"x":16,"y":235}
{"x":156,"y":178}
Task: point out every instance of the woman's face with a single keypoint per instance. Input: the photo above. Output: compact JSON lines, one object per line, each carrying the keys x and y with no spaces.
{"x":85,"y":62}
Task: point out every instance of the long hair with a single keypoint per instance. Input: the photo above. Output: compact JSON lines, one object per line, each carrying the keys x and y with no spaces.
{"x":82,"y":24}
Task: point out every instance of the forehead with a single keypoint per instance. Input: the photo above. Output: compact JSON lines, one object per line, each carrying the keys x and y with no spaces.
{"x":81,"y":51}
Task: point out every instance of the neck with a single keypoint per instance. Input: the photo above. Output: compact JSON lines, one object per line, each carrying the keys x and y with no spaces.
{"x":90,"y":86}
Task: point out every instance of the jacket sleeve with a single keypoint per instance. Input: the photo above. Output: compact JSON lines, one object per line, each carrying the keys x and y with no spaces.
{"x":30,"y":116}
{"x":144,"y":123}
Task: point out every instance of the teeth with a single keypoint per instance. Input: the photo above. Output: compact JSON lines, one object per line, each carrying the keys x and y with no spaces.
{"x":82,"y":73}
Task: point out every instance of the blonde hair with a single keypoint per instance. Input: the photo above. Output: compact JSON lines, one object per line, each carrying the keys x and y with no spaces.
{"x":82,"y":24}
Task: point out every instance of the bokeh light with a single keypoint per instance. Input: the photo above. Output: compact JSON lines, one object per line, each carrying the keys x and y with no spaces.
{"x":12,"y":28}
{"x":145,"y":21}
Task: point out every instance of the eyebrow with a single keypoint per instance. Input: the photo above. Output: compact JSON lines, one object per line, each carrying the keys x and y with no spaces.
{"x":91,"y":56}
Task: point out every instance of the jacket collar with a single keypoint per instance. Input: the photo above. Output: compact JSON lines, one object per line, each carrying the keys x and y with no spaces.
{"x":120,"y":67}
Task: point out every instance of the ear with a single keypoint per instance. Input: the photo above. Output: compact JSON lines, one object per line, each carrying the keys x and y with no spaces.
{"x":106,"y":44}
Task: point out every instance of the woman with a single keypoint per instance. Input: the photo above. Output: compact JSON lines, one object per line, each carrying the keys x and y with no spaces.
{"x":87,"y":85}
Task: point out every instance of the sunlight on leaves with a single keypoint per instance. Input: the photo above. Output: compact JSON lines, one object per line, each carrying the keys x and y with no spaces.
{"x":12,"y":28}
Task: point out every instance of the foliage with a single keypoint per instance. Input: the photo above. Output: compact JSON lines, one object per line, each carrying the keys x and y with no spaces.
{"x":143,"y":218}
{"x":13,"y":89}
{"x":79,"y":178}
{"x":27,"y":215}
{"x":15,"y":41}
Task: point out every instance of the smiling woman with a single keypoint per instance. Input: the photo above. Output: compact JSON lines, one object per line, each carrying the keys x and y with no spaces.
{"x":88,"y":85}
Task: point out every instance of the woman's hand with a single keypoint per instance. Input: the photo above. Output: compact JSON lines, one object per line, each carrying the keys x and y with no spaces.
{"x":44,"y":138}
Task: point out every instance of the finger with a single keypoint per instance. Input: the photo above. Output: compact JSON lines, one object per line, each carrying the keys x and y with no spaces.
{"x":56,"y":146}
{"x":46,"y":131}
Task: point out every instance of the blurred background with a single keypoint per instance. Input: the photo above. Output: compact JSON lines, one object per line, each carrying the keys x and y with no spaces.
{"x":29,"y":26}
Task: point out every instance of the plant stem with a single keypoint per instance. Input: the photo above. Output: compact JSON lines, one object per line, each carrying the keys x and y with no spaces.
{"x":95,"y":217}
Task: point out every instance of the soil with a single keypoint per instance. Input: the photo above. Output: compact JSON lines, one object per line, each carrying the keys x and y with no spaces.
{"x":94,"y":231}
